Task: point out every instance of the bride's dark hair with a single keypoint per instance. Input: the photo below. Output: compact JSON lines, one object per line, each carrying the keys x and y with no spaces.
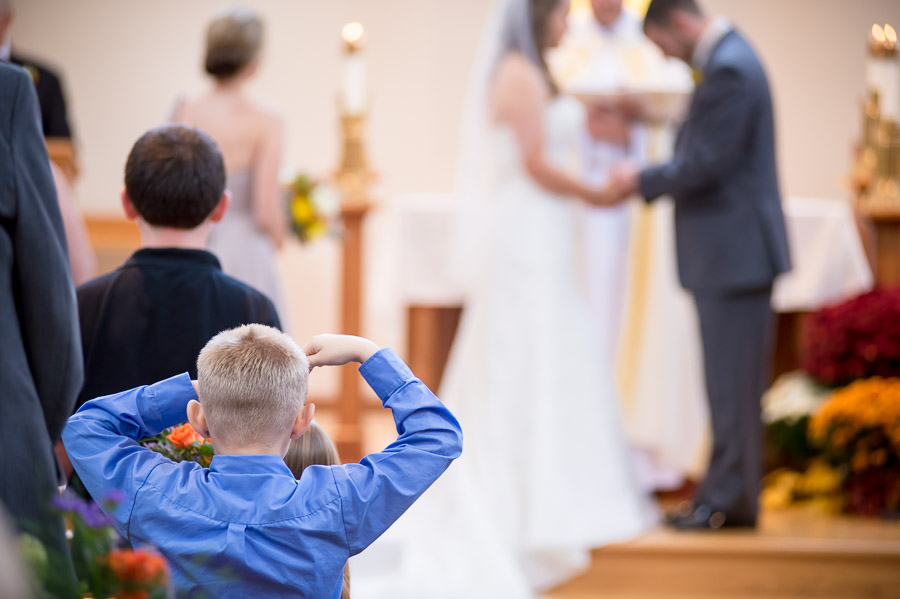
{"x":526,"y":30}
{"x":540,"y":11}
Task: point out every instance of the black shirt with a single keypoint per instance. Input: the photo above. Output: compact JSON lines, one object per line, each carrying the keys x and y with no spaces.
{"x":149,"y":319}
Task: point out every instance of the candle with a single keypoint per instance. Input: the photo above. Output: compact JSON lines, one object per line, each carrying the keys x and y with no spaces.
{"x":354,"y":87}
{"x":883,"y":71}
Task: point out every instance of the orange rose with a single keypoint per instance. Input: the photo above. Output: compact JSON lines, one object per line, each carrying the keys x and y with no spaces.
{"x":184,"y":436}
{"x":138,"y":567}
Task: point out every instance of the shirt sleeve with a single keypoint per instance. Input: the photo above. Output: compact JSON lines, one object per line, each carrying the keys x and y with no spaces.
{"x":377,"y":490}
{"x":720,"y":130}
{"x":102,"y":438}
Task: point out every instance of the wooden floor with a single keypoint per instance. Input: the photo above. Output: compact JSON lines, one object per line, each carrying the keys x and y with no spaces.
{"x":791,"y":555}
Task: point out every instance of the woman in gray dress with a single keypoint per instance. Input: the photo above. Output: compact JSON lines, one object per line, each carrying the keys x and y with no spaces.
{"x":249,"y":134}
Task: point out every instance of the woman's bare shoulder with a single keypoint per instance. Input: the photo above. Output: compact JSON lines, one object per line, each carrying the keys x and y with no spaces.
{"x":514,"y":71}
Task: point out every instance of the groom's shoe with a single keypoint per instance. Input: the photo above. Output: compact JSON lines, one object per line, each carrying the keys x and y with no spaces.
{"x":703,"y":517}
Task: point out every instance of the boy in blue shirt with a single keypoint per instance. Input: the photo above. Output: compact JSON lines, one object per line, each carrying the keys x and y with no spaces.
{"x":244,"y":527}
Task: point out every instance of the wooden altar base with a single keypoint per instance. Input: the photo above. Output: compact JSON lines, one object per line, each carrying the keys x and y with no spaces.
{"x":791,"y":555}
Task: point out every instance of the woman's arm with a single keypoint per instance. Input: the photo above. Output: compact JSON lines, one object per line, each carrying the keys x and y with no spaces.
{"x":518,"y":99}
{"x":267,"y":205}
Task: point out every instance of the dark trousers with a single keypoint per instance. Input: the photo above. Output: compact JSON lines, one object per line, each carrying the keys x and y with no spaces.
{"x":738,"y":331}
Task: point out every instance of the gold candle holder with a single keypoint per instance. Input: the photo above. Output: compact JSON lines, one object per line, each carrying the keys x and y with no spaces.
{"x":887,"y":170}
{"x":354,"y":175}
{"x":871,"y":118}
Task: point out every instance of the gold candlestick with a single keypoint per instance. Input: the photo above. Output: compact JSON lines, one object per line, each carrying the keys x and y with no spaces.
{"x":353,"y":175}
{"x":354,"y":178}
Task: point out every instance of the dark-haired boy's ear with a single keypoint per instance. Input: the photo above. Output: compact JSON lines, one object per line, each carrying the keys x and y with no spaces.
{"x":222,"y":207}
{"x":197,"y":418}
{"x":131,"y":212}
{"x":304,"y":419}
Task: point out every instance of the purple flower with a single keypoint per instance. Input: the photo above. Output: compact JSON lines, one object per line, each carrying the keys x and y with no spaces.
{"x":114,"y":496}
{"x":93,"y":516}
{"x":66,"y":503}
{"x":89,"y":512}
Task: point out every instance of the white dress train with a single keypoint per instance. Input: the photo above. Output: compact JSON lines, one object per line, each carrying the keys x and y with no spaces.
{"x":545,"y":472}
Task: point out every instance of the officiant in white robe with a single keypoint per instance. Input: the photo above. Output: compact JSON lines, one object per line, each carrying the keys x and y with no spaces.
{"x":645,"y":321}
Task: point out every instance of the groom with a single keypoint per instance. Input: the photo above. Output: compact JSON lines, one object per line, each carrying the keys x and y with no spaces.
{"x":731,"y":241}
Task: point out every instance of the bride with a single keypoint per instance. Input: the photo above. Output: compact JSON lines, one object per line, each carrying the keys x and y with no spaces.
{"x":544,"y":475}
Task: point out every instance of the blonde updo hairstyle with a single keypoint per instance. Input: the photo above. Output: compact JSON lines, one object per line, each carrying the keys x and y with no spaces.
{"x":233,"y":40}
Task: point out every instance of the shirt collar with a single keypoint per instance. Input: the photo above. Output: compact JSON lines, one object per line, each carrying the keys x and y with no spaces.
{"x":164,"y":256}
{"x":717,"y":28}
{"x":5,"y":51}
{"x":249,"y":464}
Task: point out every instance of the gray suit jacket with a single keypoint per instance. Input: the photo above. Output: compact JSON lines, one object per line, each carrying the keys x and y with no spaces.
{"x":729,"y":226}
{"x":40,"y":347}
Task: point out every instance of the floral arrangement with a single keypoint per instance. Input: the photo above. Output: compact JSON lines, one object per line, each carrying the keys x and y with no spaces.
{"x":858,"y":429}
{"x":818,"y":488}
{"x":313,"y":208}
{"x":786,"y":409}
{"x":103,"y":568}
{"x":181,"y":443}
{"x":857,"y":339}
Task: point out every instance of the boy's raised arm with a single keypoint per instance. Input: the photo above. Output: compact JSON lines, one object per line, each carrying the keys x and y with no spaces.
{"x":376,"y":491}
{"x":101,"y":438}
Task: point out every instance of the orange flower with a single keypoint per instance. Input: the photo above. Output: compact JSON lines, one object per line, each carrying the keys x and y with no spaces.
{"x":184,"y":436}
{"x":855,"y":411}
{"x":138,"y":567}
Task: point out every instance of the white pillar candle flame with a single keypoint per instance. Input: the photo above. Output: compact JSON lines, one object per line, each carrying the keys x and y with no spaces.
{"x":883,"y":70}
{"x":354,"y":35}
{"x":890,"y":36}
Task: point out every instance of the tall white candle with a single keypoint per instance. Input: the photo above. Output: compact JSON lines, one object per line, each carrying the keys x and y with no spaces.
{"x":354,"y":85}
{"x":883,"y":71}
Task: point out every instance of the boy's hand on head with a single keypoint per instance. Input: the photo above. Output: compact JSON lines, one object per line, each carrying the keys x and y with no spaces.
{"x":335,"y":350}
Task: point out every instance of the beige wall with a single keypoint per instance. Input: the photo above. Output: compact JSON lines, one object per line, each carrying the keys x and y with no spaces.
{"x":125,"y":61}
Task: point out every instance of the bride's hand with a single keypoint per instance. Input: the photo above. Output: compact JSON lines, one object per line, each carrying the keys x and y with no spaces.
{"x":600,"y":196}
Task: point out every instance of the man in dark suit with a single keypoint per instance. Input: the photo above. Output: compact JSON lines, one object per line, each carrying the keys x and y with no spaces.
{"x":40,"y":352}
{"x":731,"y":241}
{"x":50,"y":96}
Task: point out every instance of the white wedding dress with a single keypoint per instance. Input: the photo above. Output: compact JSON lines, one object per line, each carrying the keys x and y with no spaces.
{"x":545,"y":473}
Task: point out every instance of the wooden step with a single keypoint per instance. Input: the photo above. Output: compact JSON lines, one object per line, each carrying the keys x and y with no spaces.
{"x":792,"y":554}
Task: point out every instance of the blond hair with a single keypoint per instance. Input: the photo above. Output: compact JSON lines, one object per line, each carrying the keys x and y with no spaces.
{"x":233,"y":40}
{"x":315,"y":447}
{"x":253,"y":382}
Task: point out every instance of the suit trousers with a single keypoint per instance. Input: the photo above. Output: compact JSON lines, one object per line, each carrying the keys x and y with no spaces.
{"x":737,"y":328}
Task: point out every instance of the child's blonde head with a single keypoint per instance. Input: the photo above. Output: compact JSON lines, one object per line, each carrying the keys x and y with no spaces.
{"x":313,"y":447}
{"x":252,"y":383}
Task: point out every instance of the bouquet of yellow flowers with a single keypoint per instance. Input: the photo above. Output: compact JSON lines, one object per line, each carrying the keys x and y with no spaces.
{"x":859,"y":429}
{"x":313,"y":209}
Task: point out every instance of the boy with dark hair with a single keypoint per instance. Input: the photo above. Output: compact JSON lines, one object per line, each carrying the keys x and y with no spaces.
{"x":149,"y":319}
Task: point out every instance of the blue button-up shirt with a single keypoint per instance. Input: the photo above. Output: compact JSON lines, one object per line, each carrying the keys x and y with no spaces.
{"x":244,"y":527}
